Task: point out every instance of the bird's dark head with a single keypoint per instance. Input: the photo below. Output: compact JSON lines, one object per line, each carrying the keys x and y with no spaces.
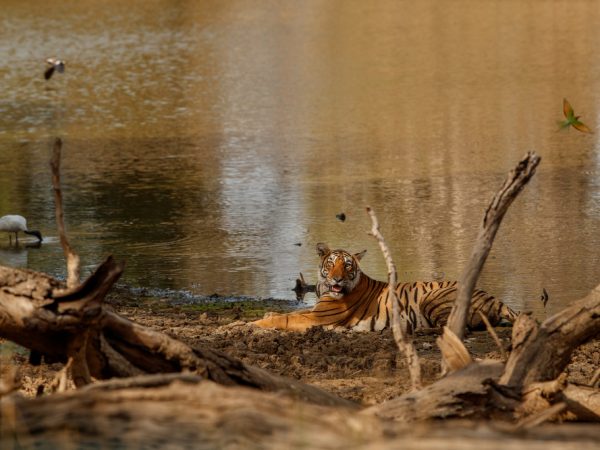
{"x":35,"y":233}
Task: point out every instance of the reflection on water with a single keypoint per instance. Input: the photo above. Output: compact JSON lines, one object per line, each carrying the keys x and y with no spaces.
{"x":202,"y":140}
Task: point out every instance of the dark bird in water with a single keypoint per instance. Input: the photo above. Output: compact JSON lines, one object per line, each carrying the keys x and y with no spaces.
{"x":545,"y":297}
{"x":341,"y":216}
{"x":572,"y":119}
{"x":54,"y":64}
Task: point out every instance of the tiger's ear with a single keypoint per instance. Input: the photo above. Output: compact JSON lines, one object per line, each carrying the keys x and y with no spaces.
{"x":359,"y":256}
{"x":322,"y":249}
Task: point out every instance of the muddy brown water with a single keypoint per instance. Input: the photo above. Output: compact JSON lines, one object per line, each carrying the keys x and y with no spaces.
{"x":203,"y":140}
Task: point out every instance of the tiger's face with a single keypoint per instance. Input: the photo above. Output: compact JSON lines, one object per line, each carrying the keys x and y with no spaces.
{"x":339,"y":271}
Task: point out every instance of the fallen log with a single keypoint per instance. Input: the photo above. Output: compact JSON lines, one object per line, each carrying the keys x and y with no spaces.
{"x":540,"y":353}
{"x":39,"y":313}
{"x":186,"y":411}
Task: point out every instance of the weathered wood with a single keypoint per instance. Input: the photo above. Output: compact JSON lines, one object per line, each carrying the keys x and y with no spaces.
{"x":514,"y":183}
{"x":454,"y":353}
{"x":405,"y":345}
{"x":463,"y":393}
{"x":302,"y":287}
{"x":37,"y":312}
{"x":541,"y":353}
{"x":185,"y":411}
{"x":73,"y":266}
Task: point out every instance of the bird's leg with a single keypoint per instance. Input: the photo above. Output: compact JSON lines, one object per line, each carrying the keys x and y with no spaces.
{"x":17,"y":237}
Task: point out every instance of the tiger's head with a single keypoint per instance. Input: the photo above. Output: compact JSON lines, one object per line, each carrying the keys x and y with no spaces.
{"x":339,"y":271}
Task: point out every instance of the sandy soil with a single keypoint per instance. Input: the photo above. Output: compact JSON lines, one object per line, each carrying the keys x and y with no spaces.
{"x":363,"y":367}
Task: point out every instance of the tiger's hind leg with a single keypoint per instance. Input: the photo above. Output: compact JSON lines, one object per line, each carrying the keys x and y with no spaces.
{"x":493,"y":309}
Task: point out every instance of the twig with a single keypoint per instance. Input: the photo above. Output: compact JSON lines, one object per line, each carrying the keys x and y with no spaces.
{"x":301,"y":287}
{"x":514,"y":183}
{"x":63,"y":376}
{"x":405,"y":345}
{"x":492,"y":333}
{"x":541,"y":417}
{"x":595,"y":378}
{"x":71,"y":257}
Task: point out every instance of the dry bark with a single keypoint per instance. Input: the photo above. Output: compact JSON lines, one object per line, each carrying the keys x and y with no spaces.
{"x":185,"y":411}
{"x":37,"y":312}
{"x":540,"y":353}
{"x":515,"y":182}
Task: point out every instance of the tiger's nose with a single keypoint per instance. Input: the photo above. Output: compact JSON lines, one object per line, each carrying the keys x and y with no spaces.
{"x":336,"y":279}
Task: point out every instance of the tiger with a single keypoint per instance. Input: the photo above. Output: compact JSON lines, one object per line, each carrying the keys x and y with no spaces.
{"x":349,"y":298}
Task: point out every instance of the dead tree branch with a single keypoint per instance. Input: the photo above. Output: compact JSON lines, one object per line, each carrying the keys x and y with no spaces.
{"x":492,"y":332}
{"x":405,"y":345}
{"x":302,"y":287}
{"x":37,"y":312}
{"x":540,"y":353}
{"x":516,"y":180}
{"x":70,"y":255}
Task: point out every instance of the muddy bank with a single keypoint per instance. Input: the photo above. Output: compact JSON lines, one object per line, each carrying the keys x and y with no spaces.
{"x":362,"y":367}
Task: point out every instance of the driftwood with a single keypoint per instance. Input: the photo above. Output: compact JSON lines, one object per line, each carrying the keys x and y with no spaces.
{"x":540,"y":354}
{"x":38,"y":313}
{"x":514,"y":183}
{"x":185,"y":411}
{"x":301,"y":288}
{"x":401,"y":338}
{"x":73,"y":266}
{"x":199,"y":414}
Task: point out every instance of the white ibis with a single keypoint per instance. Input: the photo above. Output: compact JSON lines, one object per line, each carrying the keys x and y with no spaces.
{"x":54,"y":64}
{"x":13,"y":224}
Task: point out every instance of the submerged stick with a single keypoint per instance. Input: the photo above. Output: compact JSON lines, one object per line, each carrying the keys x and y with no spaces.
{"x":404,"y":344}
{"x":514,"y":183}
{"x":71,"y":257}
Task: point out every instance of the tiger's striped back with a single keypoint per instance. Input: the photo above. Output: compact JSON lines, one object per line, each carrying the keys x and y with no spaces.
{"x":428,"y":304}
{"x":348,"y":298}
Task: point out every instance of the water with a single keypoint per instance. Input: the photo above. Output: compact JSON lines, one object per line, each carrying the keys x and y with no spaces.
{"x":203,"y":140}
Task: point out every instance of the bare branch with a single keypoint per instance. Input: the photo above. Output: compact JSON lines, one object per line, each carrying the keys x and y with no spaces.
{"x":541,"y":353}
{"x":405,"y":345}
{"x":595,"y":378}
{"x":71,"y":257}
{"x":541,"y":417}
{"x":516,"y":180}
{"x":492,"y":333}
